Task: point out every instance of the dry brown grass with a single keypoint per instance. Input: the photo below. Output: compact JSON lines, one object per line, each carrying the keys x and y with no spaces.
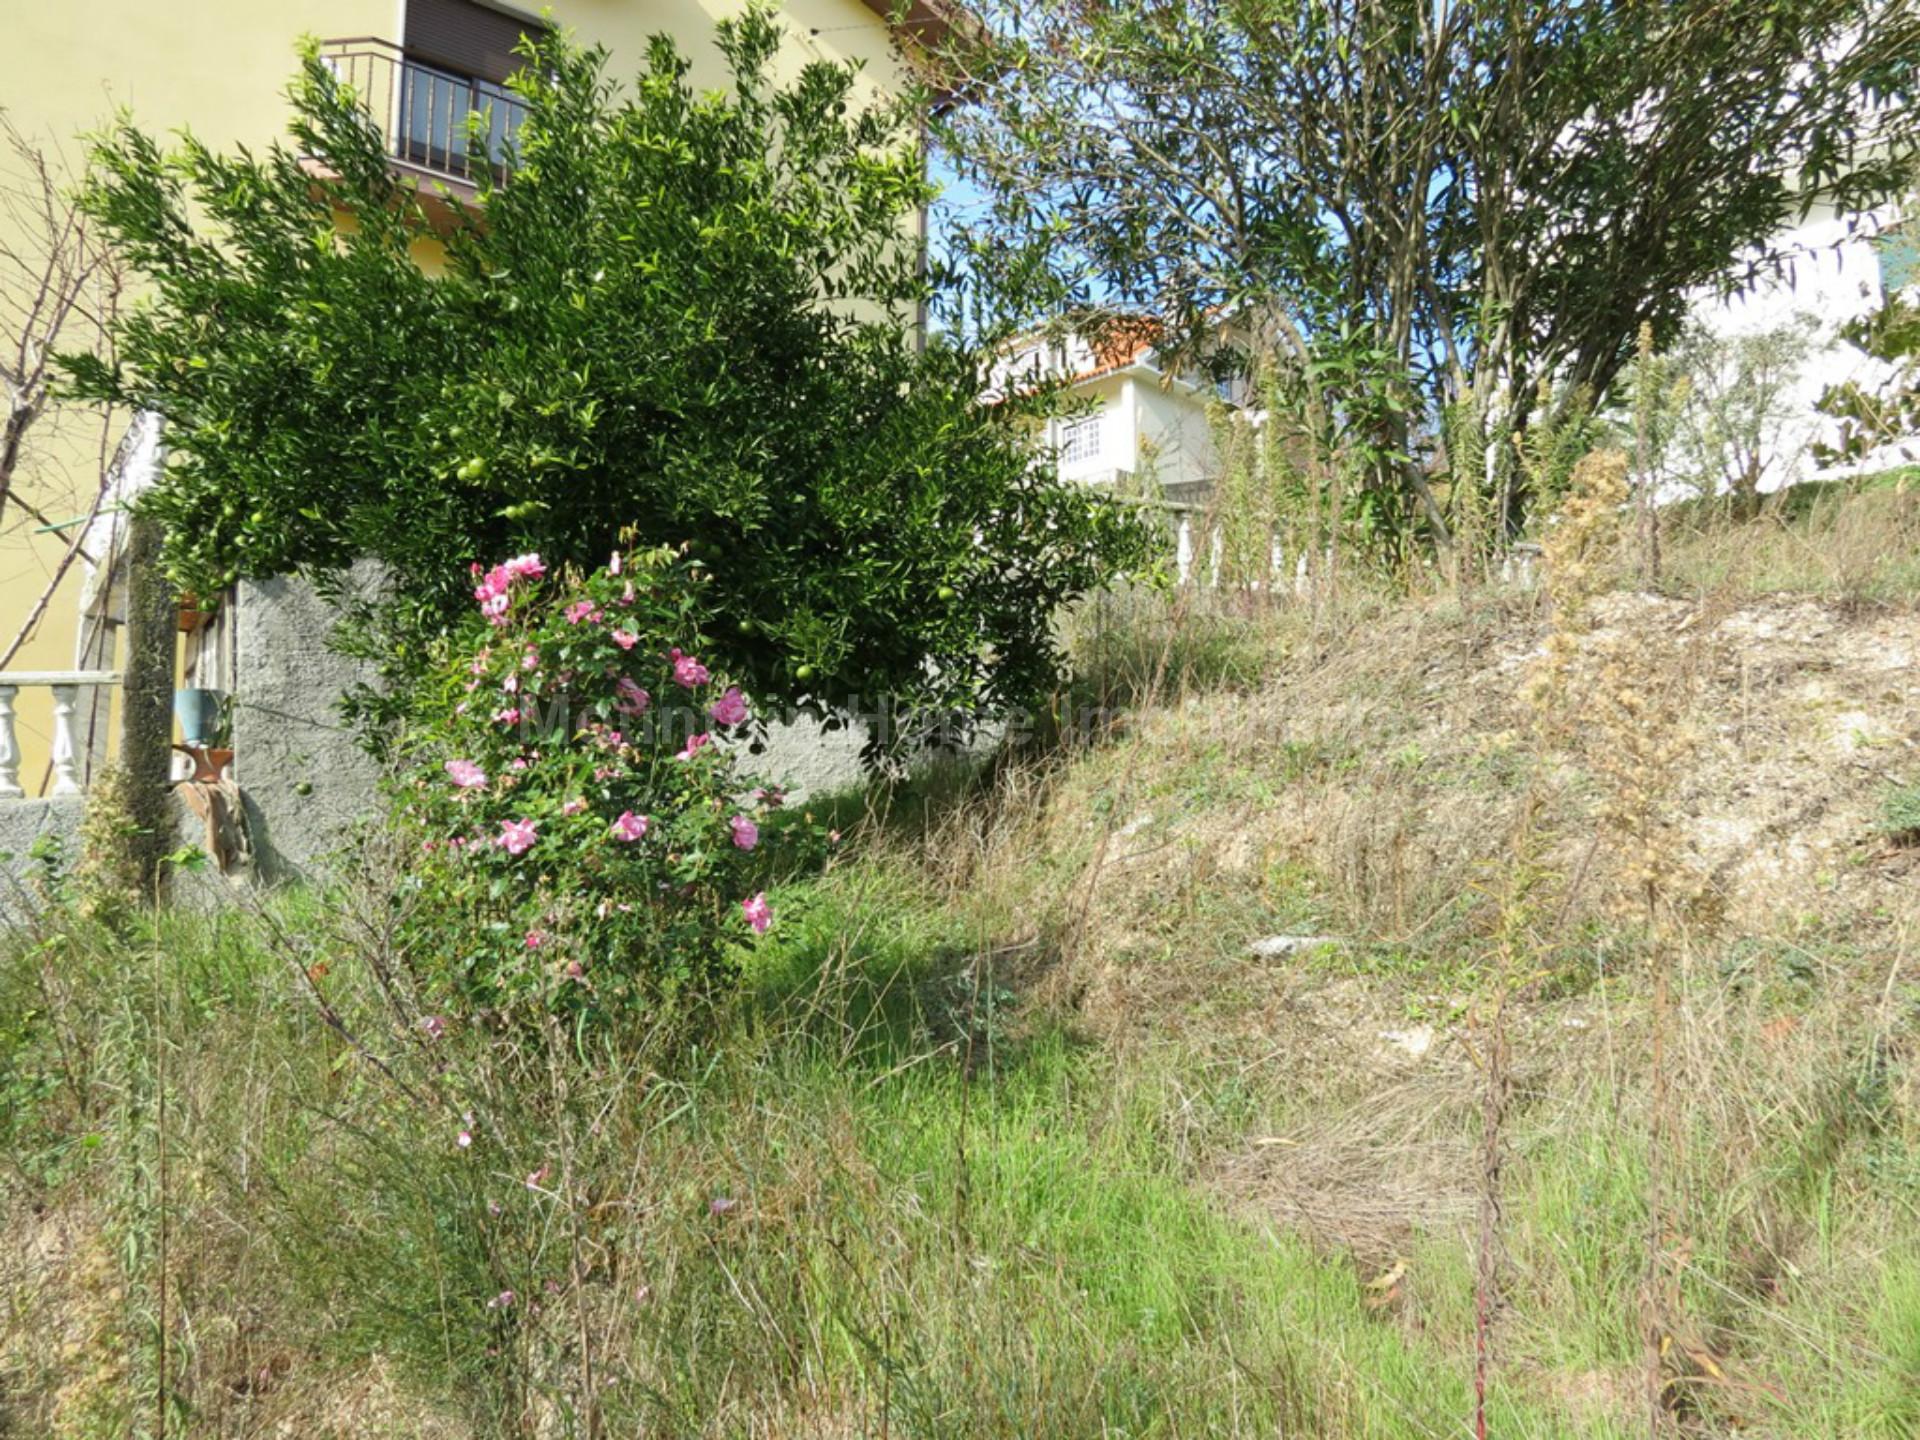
{"x":1854,"y":543}
{"x":1368,"y":788}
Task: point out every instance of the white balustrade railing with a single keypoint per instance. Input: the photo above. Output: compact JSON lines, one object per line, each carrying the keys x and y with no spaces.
{"x":66,"y":686}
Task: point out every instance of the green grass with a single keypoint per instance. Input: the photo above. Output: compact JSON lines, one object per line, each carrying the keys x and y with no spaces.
{"x":970,"y":1244}
{"x":910,"y":1185}
{"x":933,"y":1208}
{"x":1900,"y":814}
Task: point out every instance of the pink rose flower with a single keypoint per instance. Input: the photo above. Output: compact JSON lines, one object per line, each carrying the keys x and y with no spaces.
{"x":465,"y":774}
{"x":746,"y":834}
{"x":695,"y":744}
{"x":625,"y":639}
{"x":535,"y":939}
{"x":633,"y":700}
{"x":613,"y":565}
{"x":508,"y":715}
{"x":759,"y":914}
{"x":524,"y":567}
{"x":629,"y":827}
{"x":574,"y":806}
{"x":581,"y":611}
{"x":687,"y":671}
{"x":530,"y":659}
{"x":517,"y":836}
{"x":730,"y":708}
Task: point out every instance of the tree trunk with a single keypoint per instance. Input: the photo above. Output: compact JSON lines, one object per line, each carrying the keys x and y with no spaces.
{"x":146,"y":715}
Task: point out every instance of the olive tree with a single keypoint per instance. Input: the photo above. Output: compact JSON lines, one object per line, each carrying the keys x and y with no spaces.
{"x":1425,"y":208}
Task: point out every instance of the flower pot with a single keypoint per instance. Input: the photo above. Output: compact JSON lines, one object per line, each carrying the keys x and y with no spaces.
{"x":198,"y":712}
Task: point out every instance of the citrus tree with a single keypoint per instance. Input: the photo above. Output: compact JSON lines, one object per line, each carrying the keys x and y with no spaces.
{"x":692,"y":312}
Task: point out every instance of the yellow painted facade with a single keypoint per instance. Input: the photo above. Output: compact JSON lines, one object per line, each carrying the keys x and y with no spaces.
{"x":219,"y":68}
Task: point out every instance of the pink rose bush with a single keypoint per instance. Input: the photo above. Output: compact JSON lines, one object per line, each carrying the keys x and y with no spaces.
{"x":758,"y":913}
{"x":465,"y":774}
{"x":688,"y":672}
{"x":583,"y":847}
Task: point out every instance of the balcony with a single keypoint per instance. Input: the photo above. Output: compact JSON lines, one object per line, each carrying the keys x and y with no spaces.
{"x":423,"y":112}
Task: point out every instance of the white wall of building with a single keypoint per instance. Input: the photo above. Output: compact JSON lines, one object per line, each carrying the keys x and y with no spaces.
{"x":1097,"y":439}
{"x":1175,"y":428}
{"x":1127,"y":424}
{"x":1833,"y":277}
{"x":1119,"y":423}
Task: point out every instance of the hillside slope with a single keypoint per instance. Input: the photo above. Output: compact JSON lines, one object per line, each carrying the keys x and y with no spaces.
{"x":1139,"y":1089}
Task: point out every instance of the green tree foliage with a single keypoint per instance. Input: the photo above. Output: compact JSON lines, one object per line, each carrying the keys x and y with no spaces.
{"x":693,"y":312}
{"x":1424,"y":208}
{"x":1877,"y":412}
{"x":1740,"y":395}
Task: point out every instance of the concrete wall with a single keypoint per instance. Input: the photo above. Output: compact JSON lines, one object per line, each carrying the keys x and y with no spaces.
{"x":805,"y":759}
{"x":307,"y":783}
{"x":23,"y":823}
{"x":304,"y":780}
{"x":23,"y":878}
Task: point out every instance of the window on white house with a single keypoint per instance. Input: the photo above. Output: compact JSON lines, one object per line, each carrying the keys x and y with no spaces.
{"x":1080,"y":440}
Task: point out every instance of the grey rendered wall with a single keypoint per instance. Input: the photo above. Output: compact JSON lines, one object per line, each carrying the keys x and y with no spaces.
{"x":305,"y":781}
{"x":22,"y":877}
{"x":22,"y":823}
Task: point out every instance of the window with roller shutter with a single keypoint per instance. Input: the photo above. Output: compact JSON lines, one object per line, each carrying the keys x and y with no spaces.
{"x":458,"y":56}
{"x":467,"y":39}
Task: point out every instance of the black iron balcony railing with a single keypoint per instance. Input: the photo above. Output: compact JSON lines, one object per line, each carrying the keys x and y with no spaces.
{"x":423,"y":111}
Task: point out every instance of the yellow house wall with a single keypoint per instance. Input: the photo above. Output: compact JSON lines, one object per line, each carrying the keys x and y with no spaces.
{"x":219,"y":68}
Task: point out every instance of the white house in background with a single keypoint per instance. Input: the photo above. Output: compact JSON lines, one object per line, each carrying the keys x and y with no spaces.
{"x":1836,"y":272}
{"x":1129,"y":423}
